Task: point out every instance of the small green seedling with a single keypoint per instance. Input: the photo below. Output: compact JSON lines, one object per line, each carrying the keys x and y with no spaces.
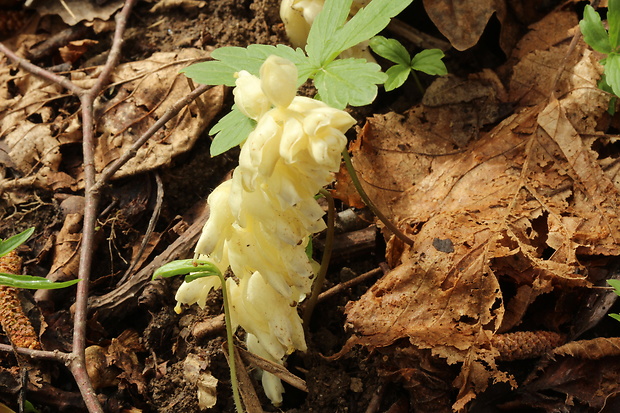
{"x":616,"y":285}
{"x":26,"y":281}
{"x":427,"y":61}
{"x":339,"y":82}
{"x":607,"y":42}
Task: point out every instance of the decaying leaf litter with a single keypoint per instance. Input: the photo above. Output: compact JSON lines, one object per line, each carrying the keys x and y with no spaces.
{"x":505,"y":178}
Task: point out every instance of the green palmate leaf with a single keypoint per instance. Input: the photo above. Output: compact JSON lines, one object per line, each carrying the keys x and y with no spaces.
{"x":183,"y":267}
{"x":365,"y":24}
{"x":32,"y":282}
{"x":349,"y":81}
{"x":390,"y":49}
{"x":323,"y":29}
{"x":613,"y":18}
{"x":15,"y":241}
{"x":612,"y":72}
{"x":397,"y":75}
{"x":230,"y":60}
{"x":593,"y":31}
{"x":429,"y":61}
{"x":230,"y":131}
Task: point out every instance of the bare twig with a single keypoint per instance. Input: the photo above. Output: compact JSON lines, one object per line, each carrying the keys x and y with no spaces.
{"x":348,"y":284}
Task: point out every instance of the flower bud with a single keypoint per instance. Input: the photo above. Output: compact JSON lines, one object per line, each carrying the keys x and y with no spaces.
{"x":278,"y":78}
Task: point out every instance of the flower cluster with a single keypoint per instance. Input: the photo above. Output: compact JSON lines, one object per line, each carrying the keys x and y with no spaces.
{"x":262,"y":219}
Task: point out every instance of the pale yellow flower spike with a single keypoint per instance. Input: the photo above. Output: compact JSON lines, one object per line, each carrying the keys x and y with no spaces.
{"x":261,"y":220}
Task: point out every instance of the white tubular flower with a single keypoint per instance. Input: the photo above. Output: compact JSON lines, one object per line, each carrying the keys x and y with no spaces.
{"x":196,"y":291}
{"x":271,"y":384}
{"x":263,"y":312}
{"x":249,"y":96}
{"x":262,"y":219}
{"x":218,"y":227}
{"x":278,"y":78}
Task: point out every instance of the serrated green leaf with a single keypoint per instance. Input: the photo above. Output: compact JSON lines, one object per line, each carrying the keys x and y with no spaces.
{"x":366,"y":23}
{"x":390,"y":49}
{"x":593,"y":31}
{"x":349,"y":82}
{"x":182,"y":267}
{"x":230,"y":60}
{"x":429,"y":61}
{"x":397,"y":75}
{"x":332,"y":17}
{"x":612,"y":73}
{"x":613,"y":19}
{"x":32,"y":282}
{"x":230,"y":131}
{"x":211,"y":73}
{"x":15,"y":241}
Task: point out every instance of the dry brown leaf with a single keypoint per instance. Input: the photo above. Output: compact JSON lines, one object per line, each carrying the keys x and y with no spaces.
{"x":514,"y":218}
{"x":593,"y":349}
{"x":461,"y":21}
{"x":74,"y":11}
{"x":584,"y":374}
{"x":144,"y":91}
{"x":33,"y":130}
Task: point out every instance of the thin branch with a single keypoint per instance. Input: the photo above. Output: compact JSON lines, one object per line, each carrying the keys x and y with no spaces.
{"x":38,"y":354}
{"x":40,"y":72}
{"x":91,"y":201}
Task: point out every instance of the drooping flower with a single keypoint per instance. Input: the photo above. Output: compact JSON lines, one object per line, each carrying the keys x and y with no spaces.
{"x":262,"y":219}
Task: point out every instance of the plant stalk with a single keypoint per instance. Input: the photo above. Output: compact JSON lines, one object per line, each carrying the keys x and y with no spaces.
{"x":231,"y":348}
{"x":356,"y":182}
{"x":327,"y":253}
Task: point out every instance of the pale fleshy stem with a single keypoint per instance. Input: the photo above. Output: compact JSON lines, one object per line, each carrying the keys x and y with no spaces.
{"x":231,"y":348}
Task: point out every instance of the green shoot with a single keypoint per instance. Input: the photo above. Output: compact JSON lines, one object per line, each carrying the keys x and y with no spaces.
{"x":427,"y":61}
{"x":32,"y":282}
{"x":606,"y":42}
{"x":15,"y":241}
{"x":197,"y":269}
{"x":616,"y":285}
{"x":339,"y":83}
{"x":26,"y":281}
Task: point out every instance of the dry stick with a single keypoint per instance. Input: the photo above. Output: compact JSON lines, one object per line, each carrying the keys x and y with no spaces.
{"x":77,"y":361}
{"x":348,"y":284}
{"x":78,"y":366}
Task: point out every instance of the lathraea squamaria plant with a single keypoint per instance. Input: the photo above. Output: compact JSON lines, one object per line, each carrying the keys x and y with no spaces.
{"x":261,"y":220}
